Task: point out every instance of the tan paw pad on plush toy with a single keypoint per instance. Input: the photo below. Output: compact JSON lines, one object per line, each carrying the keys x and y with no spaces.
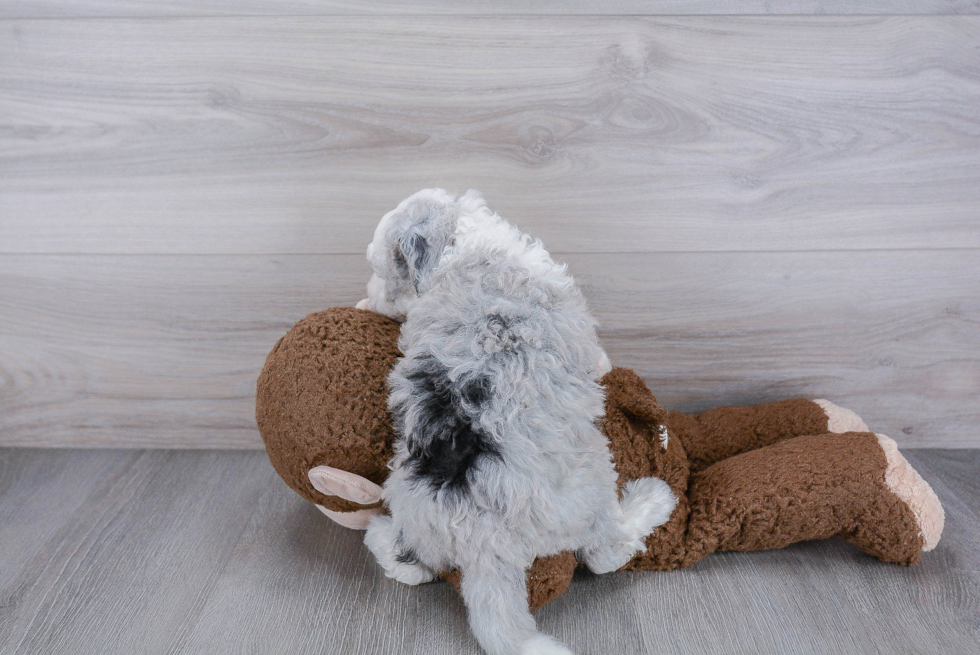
{"x":746,"y":478}
{"x":841,"y":419}
{"x":903,"y":480}
{"x":906,"y":483}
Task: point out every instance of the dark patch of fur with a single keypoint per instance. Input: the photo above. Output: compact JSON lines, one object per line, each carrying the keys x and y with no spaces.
{"x":420,"y":249}
{"x":407,"y":556}
{"x":445,"y":445}
{"x":401,"y":265}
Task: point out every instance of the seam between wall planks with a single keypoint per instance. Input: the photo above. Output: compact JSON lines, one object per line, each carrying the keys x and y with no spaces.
{"x":475,"y":16}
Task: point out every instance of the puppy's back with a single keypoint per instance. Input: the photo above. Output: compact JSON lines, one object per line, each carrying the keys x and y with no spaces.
{"x":496,"y":359}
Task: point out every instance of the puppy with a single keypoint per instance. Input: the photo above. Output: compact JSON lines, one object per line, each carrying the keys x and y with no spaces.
{"x":498,"y":459}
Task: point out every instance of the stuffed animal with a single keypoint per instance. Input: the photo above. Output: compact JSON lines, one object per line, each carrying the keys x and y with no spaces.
{"x":746,"y":478}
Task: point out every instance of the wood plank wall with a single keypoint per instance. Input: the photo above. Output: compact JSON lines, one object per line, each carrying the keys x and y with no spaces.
{"x":758,"y":206}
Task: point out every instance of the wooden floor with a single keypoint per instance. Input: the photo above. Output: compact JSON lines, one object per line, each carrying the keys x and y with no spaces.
{"x":151,"y":551}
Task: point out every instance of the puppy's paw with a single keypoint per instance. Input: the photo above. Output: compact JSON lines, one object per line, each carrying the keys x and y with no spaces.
{"x":543,"y":645}
{"x":647,"y":503}
{"x":362,"y":304}
{"x":409,"y":573}
{"x":604,"y":365}
{"x":397,"y":564}
{"x":609,"y":559}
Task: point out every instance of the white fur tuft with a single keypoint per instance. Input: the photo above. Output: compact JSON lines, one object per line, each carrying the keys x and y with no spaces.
{"x":543,"y":645}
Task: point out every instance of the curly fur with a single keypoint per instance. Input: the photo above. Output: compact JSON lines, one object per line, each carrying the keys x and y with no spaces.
{"x":495,"y":402}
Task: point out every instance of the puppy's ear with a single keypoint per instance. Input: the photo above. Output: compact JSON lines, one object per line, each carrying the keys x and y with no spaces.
{"x":412,"y":256}
{"x":420,"y":232}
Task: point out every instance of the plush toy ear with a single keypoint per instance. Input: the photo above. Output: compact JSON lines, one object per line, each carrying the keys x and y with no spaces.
{"x":359,"y":520}
{"x":644,"y":408}
{"x":349,"y":486}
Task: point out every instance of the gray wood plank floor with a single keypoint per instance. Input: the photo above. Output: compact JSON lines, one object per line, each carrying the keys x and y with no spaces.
{"x":130,"y":551}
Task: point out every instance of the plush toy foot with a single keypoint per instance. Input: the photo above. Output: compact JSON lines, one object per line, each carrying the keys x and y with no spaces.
{"x":543,"y":645}
{"x":906,"y":483}
{"x":841,"y":419}
{"x":397,"y":563}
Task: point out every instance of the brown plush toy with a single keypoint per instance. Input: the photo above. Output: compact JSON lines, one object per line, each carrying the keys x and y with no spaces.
{"x":746,"y":478}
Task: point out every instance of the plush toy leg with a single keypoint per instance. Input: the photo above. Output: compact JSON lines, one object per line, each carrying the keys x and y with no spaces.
{"x":723,"y":432}
{"x":856,"y":485}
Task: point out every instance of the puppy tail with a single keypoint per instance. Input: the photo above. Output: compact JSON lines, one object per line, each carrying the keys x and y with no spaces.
{"x":495,"y":593}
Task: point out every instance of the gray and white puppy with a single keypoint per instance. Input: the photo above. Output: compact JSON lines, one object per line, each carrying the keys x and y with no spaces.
{"x":498,"y":458}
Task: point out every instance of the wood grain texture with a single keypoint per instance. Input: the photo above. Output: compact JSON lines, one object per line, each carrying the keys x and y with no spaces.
{"x":176,"y":552}
{"x":148,"y":8}
{"x":146,"y":540}
{"x":596,"y":134}
{"x":164,"y":351}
